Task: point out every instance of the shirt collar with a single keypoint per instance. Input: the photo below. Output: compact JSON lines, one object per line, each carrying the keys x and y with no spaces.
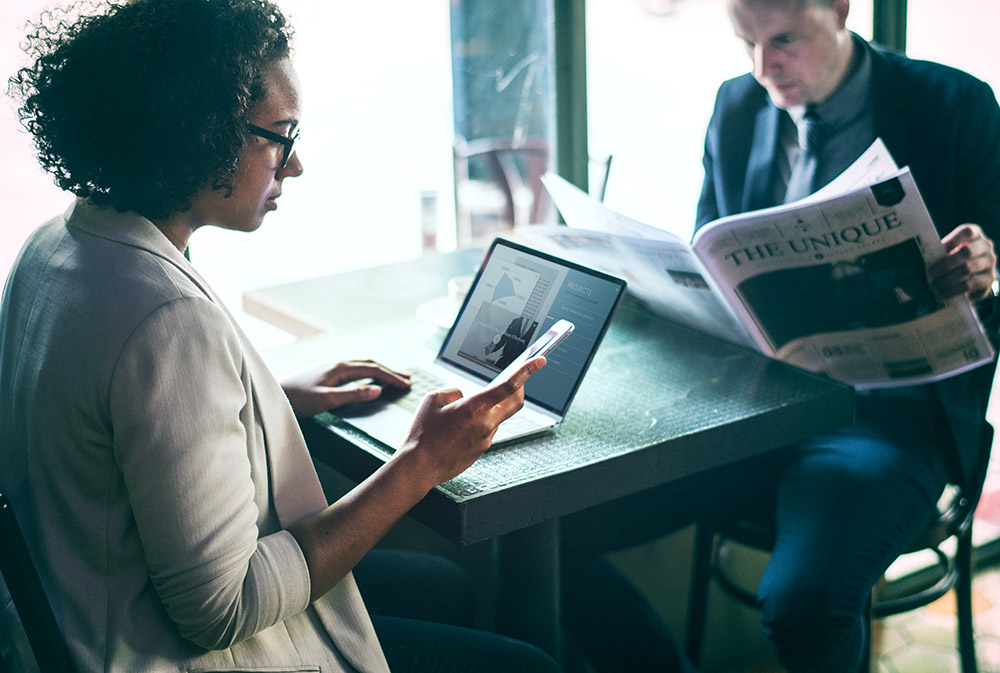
{"x":848,"y":100}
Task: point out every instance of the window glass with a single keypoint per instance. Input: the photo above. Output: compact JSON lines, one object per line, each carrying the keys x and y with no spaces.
{"x":653,"y":67}
{"x":959,"y":33}
{"x":377,"y":133}
{"x":504,"y":115}
{"x":28,"y":193}
{"x":376,"y":142}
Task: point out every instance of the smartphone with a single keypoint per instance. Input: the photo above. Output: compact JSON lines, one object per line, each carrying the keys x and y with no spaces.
{"x":542,"y":346}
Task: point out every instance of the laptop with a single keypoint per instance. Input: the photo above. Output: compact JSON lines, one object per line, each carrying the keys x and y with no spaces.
{"x":517,"y":294}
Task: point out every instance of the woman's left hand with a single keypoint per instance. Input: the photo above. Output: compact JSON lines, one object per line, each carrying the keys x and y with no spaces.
{"x":326,"y":388}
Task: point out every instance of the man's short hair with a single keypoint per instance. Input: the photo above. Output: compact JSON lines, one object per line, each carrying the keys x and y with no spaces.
{"x":799,"y":3}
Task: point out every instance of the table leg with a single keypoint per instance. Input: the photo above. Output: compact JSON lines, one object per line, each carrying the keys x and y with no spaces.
{"x":526,"y":563}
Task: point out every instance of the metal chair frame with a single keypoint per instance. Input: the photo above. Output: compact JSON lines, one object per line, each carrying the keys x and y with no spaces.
{"x":32,"y":605}
{"x":954,"y":521}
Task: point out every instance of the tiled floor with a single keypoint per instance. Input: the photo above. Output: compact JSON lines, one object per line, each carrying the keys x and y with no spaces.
{"x":923,"y":641}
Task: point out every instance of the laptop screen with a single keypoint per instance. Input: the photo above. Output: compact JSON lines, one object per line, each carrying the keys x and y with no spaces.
{"x":518,"y":294}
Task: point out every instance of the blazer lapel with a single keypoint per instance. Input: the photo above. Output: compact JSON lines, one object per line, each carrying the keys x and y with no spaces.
{"x":295,"y":487}
{"x":758,"y":190}
{"x":297,"y":493}
{"x":892,"y":124}
{"x":125,"y":228}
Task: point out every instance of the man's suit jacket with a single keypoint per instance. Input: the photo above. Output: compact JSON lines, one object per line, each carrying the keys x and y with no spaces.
{"x":941,"y":122}
{"x":155,"y":464}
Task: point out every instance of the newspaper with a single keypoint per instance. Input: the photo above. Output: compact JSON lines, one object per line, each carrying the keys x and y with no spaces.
{"x":835,"y":283}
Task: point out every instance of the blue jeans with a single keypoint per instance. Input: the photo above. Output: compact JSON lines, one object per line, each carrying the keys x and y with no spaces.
{"x":846,"y":505}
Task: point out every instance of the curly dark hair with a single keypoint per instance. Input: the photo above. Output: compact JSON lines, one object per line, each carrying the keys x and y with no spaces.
{"x":140,"y":105}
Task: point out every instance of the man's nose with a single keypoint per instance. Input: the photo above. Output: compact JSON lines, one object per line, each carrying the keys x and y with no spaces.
{"x":765,"y":60}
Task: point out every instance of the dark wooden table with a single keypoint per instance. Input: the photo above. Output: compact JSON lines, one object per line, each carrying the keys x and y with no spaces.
{"x":659,"y":403}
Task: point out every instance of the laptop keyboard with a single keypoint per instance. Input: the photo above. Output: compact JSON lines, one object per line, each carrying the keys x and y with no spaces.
{"x":421,"y":383}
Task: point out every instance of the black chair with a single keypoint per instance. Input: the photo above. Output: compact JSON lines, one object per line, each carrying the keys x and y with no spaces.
{"x":956,"y":512}
{"x":511,"y":166}
{"x":29,"y":597}
{"x":599,"y":173}
{"x":510,"y":169}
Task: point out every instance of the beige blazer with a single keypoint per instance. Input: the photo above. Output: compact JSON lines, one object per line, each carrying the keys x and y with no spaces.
{"x":155,"y":463}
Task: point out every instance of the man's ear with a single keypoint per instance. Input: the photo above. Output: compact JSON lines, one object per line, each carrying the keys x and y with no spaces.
{"x":842,"y":8}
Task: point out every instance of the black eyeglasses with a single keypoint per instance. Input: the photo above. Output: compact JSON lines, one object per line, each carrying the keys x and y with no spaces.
{"x":286,"y":143}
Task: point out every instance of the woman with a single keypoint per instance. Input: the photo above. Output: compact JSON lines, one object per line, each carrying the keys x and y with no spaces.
{"x":163,"y":485}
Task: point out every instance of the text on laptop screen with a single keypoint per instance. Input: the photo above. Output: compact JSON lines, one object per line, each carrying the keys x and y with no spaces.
{"x":518,"y":294}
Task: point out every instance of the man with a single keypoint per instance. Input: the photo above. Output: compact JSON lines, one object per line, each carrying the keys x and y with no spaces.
{"x":850,"y":502}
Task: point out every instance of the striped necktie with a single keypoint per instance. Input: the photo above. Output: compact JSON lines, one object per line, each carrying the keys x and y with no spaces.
{"x":801,"y":182}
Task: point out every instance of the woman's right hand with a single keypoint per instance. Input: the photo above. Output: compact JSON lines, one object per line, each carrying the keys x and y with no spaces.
{"x":451,"y":431}
{"x":449,"y":434}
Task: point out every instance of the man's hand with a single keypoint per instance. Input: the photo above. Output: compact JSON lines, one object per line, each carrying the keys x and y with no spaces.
{"x":450,"y":431}
{"x":323,"y":389}
{"x":969,"y":267}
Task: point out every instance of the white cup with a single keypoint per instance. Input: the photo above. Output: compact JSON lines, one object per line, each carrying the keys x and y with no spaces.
{"x":458,"y":287}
